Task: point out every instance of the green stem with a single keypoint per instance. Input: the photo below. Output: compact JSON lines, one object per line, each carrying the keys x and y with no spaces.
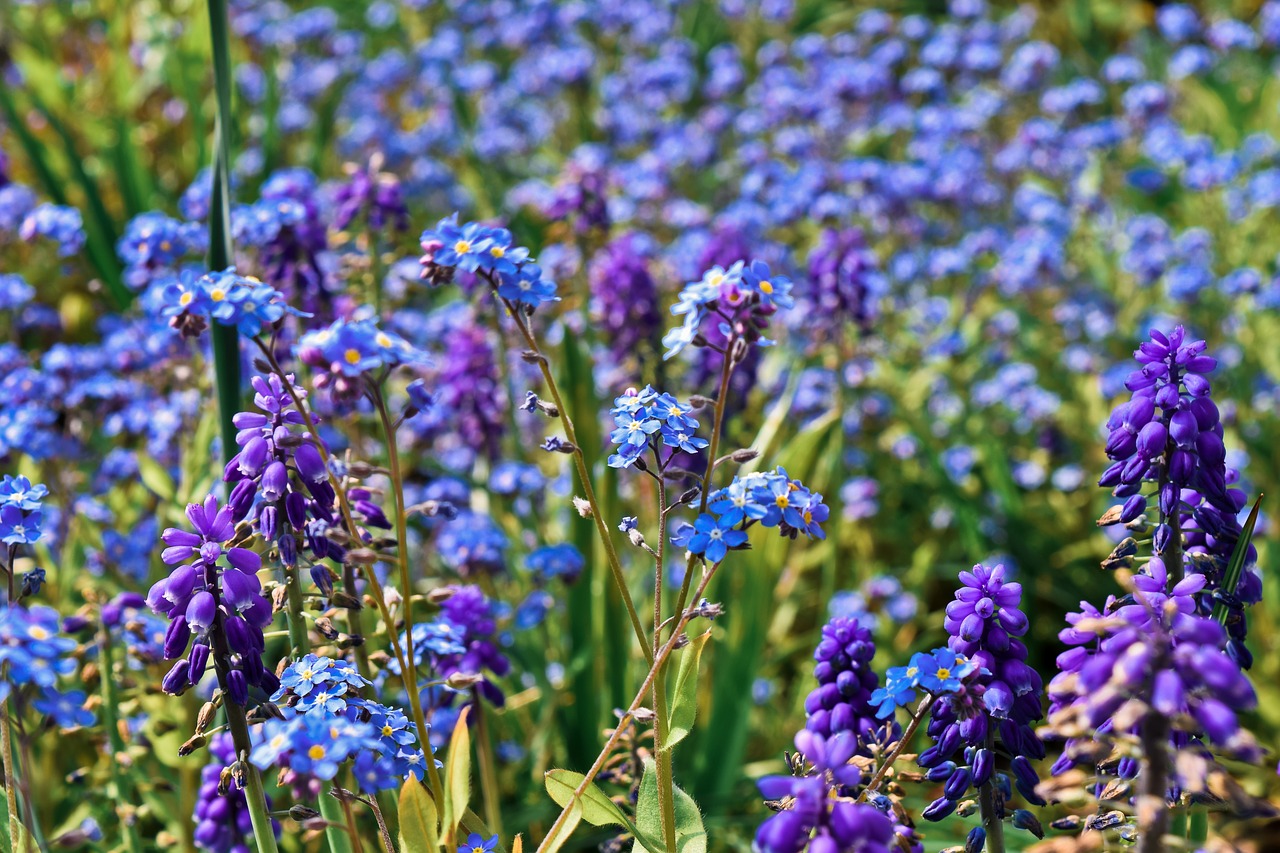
{"x":225,"y":339}
{"x":722,"y":395}
{"x":330,"y":808}
{"x":621,"y":726}
{"x":661,"y":718}
{"x":407,"y":666}
{"x":584,"y":477}
{"x":10,"y":778}
{"x":488,"y":766}
{"x":987,"y":807}
{"x":922,"y":710}
{"x":125,"y":810}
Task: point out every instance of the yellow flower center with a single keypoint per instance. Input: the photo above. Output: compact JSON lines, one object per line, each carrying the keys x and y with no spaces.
{"x":39,"y":633}
{"x":911,"y":671}
{"x":387,"y":731}
{"x":382,"y":339}
{"x":316,"y":752}
{"x":783,"y":501}
{"x":218,"y":294}
{"x":165,"y":245}
{"x":185,"y":299}
{"x":808,"y":517}
{"x":462,"y":247}
{"x":307,"y":673}
{"x":944,"y":673}
{"x":766,"y":286}
{"x":497,"y":251}
{"x":715,"y":279}
{"x":352,"y":356}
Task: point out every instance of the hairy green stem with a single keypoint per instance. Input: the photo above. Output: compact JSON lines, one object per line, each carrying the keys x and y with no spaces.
{"x":661,"y":718}
{"x":10,"y":777}
{"x":645,"y":687}
{"x":922,"y":710}
{"x":125,"y":810}
{"x":584,"y":476}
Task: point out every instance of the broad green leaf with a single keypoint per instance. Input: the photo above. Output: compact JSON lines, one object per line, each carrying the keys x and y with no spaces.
{"x":417,"y":818}
{"x":1236,"y":565}
{"x":691,"y":836}
{"x":557,"y":839}
{"x":597,"y":808}
{"x":457,"y":778}
{"x":684,"y":705}
{"x":155,"y":477}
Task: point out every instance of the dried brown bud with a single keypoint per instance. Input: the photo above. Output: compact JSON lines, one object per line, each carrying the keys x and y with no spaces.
{"x":361,"y":556}
{"x":300,"y":813}
{"x":205,"y":716}
{"x":440,"y":595}
{"x":582,"y":506}
{"x":338,"y":598}
{"x":463,"y":680}
{"x":350,"y":641}
{"x":325,"y":626}
{"x":192,"y":744}
{"x":746,"y":454}
{"x":279,"y":599}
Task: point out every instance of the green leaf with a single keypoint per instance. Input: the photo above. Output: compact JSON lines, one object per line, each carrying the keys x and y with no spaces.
{"x":691,"y":836}
{"x":684,"y":706}
{"x":557,"y":839}
{"x":597,"y":808}
{"x":457,"y":778}
{"x":417,"y":818}
{"x":1236,"y":565}
{"x":156,"y":478}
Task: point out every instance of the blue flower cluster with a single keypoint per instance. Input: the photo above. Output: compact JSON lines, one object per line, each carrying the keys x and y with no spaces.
{"x":643,"y":418}
{"x":190,"y":301}
{"x":738,"y":300}
{"x":349,"y":350}
{"x":20,"y":510}
{"x":329,"y":723}
{"x":489,"y":253}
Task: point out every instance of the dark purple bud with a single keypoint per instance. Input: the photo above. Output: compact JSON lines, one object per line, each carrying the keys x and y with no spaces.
{"x":1210,"y":448}
{"x":1151,"y":440}
{"x":176,"y":638}
{"x":1183,"y":429}
{"x":976,"y":841}
{"x":1133,"y":507}
{"x":1197,"y":386}
{"x":938,"y":809}
{"x":295,"y":508}
{"x":949,"y":741}
{"x":1134,"y":469}
{"x":275,"y":480}
{"x":974,"y":729}
{"x":998,"y":699}
{"x":1169,"y":495}
{"x":267,"y":522}
{"x":245,"y":560}
{"x":240,"y":637}
{"x":1218,"y":720}
{"x":1202,"y":364}
{"x":957,"y":784}
{"x":253,"y":456}
{"x":1161,"y":539}
{"x":1167,"y":397}
{"x":240,"y":591}
{"x":311,"y":466}
{"x":1121,"y":443}
{"x":1182,"y":465}
{"x":176,"y":681}
{"x":201,"y":611}
{"x":198,"y":663}
{"x":1111,"y":476}
{"x":240,"y":501}
{"x":237,"y":687}
{"x":288,"y":550}
{"x":984,"y":764}
{"x":1139,"y":413}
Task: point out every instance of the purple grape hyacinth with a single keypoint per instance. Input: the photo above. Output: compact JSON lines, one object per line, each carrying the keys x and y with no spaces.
{"x":842,"y":700}
{"x":1002,"y":698}
{"x":215,"y":600}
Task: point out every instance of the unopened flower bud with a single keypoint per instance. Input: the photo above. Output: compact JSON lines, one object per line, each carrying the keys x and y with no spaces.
{"x":745,"y":454}
{"x":440,"y":595}
{"x":350,"y":641}
{"x":362,"y":556}
{"x":345,"y":601}
{"x":205,"y":716}
{"x":463,"y":680}
{"x":300,"y":813}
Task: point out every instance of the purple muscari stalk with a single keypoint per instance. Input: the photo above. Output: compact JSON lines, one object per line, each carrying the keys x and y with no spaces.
{"x":1003,"y":698}
{"x":842,"y":700}
{"x":214,"y":600}
{"x":845,"y":283}
{"x":373,"y":194}
{"x":814,"y":811}
{"x":291,"y":256}
{"x":579,"y":194}
{"x":470,"y":390}
{"x":1151,"y":656}
{"x":624,"y":300}
{"x":1166,"y":443}
{"x":222,"y":819}
{"x":280,"y":479}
